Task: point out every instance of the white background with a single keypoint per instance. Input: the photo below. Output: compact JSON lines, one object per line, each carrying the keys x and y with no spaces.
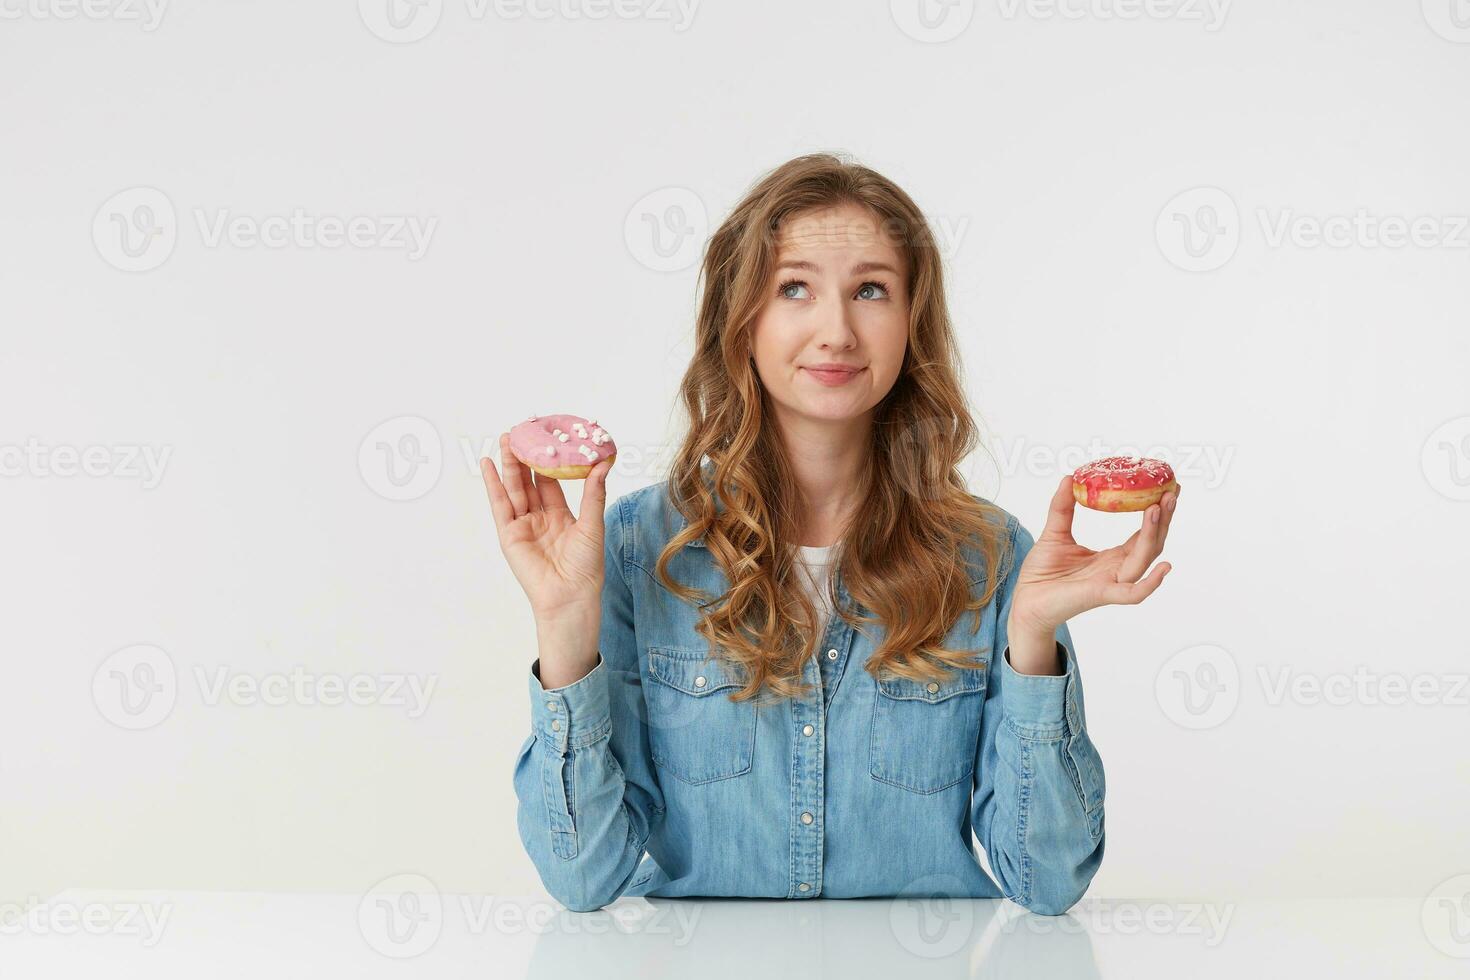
{"x":1301,"y":389}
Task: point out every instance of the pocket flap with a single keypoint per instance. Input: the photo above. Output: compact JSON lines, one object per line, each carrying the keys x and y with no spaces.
{"x":692,"y":672}
{"x":964,"y":681}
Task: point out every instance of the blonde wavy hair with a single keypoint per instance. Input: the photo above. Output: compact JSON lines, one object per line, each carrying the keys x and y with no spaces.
{"x":900,"y":554}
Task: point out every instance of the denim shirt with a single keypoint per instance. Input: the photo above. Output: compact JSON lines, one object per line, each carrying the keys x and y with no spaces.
{"x":642,"y":778}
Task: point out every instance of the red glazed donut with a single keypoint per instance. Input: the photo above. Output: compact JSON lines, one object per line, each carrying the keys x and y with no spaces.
{"x":563,"y":447}
{"x":1122,"y":483}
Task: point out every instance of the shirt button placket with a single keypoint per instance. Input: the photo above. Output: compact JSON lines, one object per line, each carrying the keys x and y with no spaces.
{"x":809,"y":787}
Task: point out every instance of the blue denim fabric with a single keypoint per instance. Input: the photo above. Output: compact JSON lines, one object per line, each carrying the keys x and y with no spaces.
{"x":643,"y":779}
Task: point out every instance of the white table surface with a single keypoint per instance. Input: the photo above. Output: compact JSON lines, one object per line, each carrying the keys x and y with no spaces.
{"x":279,"y":936}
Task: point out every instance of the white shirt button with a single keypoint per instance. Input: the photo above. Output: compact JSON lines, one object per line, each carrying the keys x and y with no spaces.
{"x":803,"y":887}
{"x":806,"y":818}
{"x":831,"y":654}
{"x":807,"y":729}
{"x":932,"y":687}
{"x":699,"y":682}
{"x":550,"y":705}
{"x":556,"y":724}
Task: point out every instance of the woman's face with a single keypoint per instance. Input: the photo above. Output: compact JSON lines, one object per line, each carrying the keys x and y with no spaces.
{"x":839,"y":297}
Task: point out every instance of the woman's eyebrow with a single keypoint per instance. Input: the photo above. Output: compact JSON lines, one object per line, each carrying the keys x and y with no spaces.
{"x":857,"y":270}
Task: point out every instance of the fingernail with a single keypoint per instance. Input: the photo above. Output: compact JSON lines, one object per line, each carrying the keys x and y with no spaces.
{"x":1154,"y":517}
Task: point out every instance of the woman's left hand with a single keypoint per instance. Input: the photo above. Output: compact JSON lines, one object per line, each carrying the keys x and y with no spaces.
{"x":1060,"y":578}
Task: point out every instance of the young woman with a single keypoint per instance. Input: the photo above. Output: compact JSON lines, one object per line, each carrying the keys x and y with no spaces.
{"x":811,"y":663}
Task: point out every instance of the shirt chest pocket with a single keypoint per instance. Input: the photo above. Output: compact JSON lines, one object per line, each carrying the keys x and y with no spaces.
{"x":925,"y":734}
{"x":695,"y":732}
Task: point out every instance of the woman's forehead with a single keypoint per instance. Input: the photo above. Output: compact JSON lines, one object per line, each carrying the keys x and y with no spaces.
{"x":834,"y":230}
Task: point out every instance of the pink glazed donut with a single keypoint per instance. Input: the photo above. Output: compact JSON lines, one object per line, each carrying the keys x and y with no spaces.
{"x":563,"y":447}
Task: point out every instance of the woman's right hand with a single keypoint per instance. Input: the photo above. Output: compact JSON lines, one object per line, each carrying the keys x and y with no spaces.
{"x":557,"y":558}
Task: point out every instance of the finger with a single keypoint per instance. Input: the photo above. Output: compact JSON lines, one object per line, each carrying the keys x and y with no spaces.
{"x":500,"y":505}
{"x":594,"y":497}
{"x":1170,"y":503}
{"x":517,"y":476}
{"x":550,"y":492}
{"x":1059,"y":513}
{"x":1132,"y":593}
{"x":1146,"y":549}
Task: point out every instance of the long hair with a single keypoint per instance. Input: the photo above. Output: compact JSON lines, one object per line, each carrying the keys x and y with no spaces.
{"x":900,"y":554}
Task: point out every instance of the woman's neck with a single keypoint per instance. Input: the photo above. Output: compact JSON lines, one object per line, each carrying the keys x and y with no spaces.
{"x":828,"y":460}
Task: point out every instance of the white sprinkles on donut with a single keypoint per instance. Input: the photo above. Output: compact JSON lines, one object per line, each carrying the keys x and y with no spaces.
{"x":559,"y":441}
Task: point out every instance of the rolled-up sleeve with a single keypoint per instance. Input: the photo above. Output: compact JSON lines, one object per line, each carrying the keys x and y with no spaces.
{"x":1038,"y":794}
{"x":588,"y":799}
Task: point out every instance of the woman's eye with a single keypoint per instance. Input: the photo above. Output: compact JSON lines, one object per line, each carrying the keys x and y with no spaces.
{"x":864,"y":290}
{"x":788,"y":287}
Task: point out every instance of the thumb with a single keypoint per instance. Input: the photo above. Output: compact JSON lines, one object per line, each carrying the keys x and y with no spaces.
{"x":594,"y":497}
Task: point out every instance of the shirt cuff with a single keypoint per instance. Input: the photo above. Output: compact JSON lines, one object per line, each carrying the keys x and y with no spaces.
{"x":573,"y":715}
{"x":1037,"y":704}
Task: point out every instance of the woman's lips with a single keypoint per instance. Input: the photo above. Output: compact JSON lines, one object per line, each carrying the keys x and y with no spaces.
{"x":833,"y":378}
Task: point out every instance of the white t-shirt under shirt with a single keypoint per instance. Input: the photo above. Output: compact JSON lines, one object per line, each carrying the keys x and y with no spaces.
{"x":814,"y":568}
